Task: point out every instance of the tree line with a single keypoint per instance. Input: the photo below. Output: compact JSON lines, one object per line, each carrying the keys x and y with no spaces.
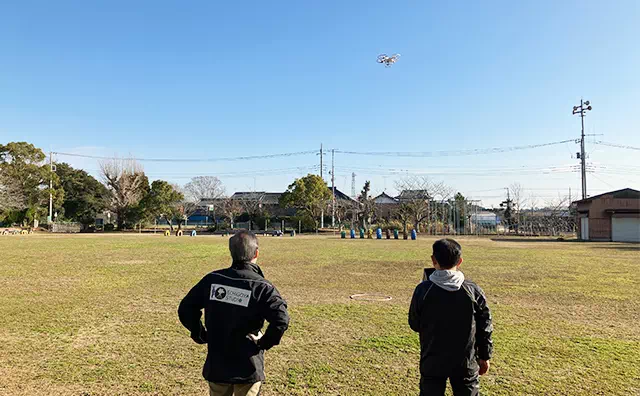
{"x":27,"y":180}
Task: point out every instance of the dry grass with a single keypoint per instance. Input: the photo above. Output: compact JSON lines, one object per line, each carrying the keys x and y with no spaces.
{"x":96,"y":315}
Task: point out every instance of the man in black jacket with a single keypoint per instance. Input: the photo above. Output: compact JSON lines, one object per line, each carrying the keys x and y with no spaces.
{"x":236,"y":302}
{"x":454,"y":322}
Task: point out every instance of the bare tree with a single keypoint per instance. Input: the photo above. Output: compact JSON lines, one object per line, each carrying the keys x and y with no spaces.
{"x":345,"y":209}
{"x":251,"y":204}
{"x":557,"y":218}
{"x":11,"y":195}
{"x":231,"y":209}
{"x":203,"y":187}
{"x":519,"y":201}
{"x":553,"y":219}
{"x":197,"y":190}
{"x":127,"y":182}
{"x":418,"y":198}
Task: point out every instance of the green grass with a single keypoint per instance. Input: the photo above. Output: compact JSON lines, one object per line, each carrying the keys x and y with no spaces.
{"x":96,"y":315}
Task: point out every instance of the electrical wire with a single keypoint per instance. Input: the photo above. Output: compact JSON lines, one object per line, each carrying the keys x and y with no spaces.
{"x":220,"y":159}
{"x":452,"y":152}
{"x":600,"y":142}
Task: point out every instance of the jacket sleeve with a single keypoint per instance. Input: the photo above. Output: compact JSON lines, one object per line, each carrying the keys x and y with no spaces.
{"x":416,"y":307}
{"x":274,"y":310}
{"x":484,"y":326}
{"x":190,"y":312}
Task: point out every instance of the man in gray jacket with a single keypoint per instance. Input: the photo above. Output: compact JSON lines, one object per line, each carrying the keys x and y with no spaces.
{"x":454,"y":322}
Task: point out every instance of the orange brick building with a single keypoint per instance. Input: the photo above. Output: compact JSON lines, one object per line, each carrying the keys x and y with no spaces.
{"x":612,"y":216}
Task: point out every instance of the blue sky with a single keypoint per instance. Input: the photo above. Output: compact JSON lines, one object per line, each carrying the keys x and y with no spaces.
{"x":220,"y":79}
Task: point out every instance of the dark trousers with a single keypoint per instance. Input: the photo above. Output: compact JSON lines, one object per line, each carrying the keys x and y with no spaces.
{"x":462,"y":386}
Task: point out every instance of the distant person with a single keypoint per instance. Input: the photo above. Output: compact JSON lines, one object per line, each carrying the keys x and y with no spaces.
{"x":236,"y":302}
{"x":454,"y":322}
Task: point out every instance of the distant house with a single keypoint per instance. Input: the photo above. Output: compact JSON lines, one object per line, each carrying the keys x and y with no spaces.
{"x":259,"y":201}
{"x":342,"y":196}
{"x":385,"y":199}
{"x":266,"y":198}
{"x":412,"y":195}
{"x":268,"y":202}
{"x":386,"y":205}
{"x":612,"y":216}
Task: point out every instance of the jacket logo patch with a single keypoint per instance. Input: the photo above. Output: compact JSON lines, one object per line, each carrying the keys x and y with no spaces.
{"x":230,"y":295}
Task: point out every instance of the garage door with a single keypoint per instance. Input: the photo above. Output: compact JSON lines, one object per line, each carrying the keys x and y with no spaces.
{"x":625,"y":229}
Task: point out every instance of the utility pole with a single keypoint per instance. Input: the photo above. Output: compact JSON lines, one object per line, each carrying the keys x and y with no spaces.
{"x":50,"y":217}
{"x":321,"y":161}
{"x":322,"y":211}
{"x":582,"y":110}
{"x":333,"y":190}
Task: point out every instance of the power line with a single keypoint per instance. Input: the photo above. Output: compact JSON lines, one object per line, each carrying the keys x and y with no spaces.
{"x":448,"y":153}
{"x":600,"y":142}
{"x":220,"y":159}
{"x":475,"y":151}
{"x":476,"y":172}
{"x":188,"y":175}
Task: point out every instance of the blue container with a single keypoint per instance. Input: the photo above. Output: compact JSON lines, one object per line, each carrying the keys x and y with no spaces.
{"x":343,"y":234}
{"x":395,"y":234}
{"x":293,"y":233}
{"x":379,"y":233}
{"x":353,"y":234}
{"x":362,"y":233}
{"x":413,"y":235}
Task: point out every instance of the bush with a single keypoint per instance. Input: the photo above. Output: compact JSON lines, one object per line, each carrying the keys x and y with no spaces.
{"x":109,"y":227}
{"x":392,"y":225}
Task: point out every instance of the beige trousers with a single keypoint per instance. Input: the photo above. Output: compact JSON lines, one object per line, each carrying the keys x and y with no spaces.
{"x":217,"y":389}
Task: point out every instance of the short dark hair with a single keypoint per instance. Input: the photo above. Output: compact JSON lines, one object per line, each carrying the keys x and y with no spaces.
{"x":447,"y":252}
{"x":243,"y":246}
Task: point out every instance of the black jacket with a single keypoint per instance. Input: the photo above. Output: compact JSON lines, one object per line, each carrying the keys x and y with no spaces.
{"x":455,"y":329}
{"x":236,"y":302}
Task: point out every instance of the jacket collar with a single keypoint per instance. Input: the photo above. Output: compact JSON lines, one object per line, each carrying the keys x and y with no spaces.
{"x":247,"y":266}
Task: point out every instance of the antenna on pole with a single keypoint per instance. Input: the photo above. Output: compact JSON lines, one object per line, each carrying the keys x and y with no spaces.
{"x":353,"y":185}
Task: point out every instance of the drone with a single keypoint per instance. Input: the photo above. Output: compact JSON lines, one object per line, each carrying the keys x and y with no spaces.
{"x":388,"y":60}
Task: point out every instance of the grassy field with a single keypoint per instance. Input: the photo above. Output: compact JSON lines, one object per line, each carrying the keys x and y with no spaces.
{"x":96,"y":315}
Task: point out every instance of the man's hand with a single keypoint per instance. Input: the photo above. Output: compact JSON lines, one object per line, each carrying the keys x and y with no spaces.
{"x":484,"y":366}
{"x":255,"y":338}
{"x":201,"y":336}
